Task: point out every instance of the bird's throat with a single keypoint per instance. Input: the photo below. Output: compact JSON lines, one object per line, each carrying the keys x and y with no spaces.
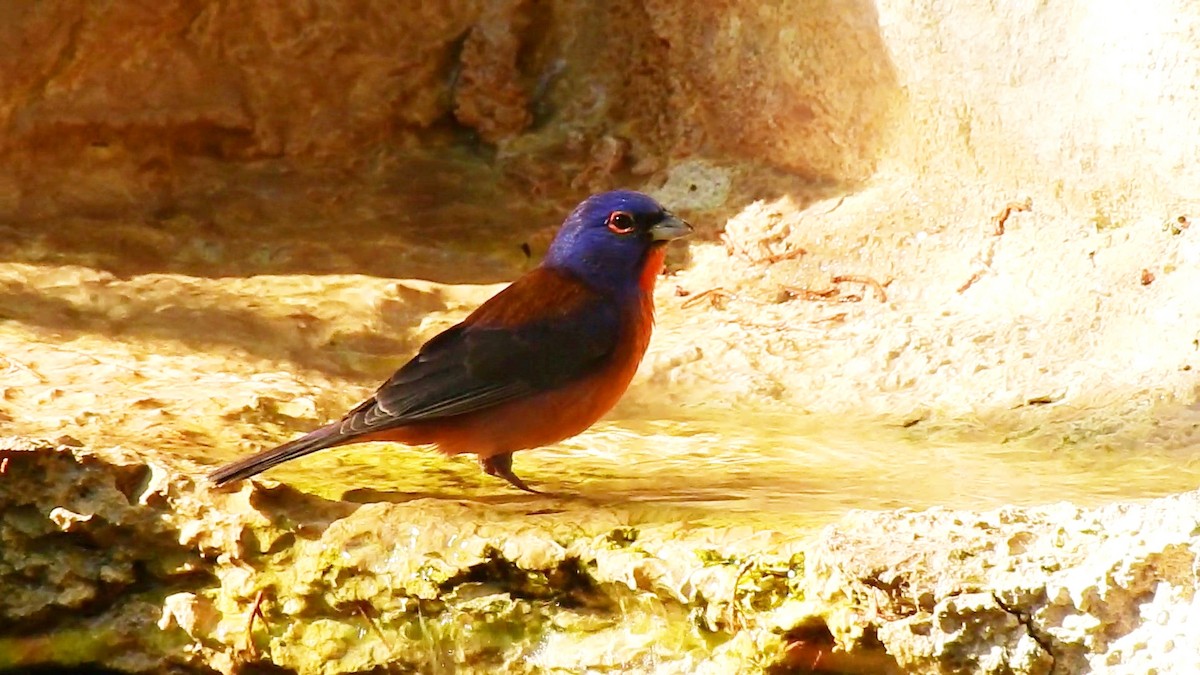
{"x":652,"y":266}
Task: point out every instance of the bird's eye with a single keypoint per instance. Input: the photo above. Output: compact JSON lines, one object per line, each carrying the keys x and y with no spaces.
{"x":620,"y":222}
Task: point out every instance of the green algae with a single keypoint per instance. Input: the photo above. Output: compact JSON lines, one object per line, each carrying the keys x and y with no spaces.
{"x":483,"y":611}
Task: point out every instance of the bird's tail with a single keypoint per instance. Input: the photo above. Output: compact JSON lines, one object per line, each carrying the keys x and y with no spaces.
{"x":319,"y":439}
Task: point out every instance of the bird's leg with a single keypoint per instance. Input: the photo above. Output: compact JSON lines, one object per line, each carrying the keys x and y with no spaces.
{"x":500,"y":466}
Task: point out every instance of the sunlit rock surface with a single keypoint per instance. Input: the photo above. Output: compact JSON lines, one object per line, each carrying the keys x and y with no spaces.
{"x":127,"y":561}
{"x":946,"y":259}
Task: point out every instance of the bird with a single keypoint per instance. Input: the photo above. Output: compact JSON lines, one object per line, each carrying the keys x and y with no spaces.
{"x":537,"y":363}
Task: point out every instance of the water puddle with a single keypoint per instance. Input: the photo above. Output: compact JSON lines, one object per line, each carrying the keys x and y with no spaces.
{"x":756,"y":466}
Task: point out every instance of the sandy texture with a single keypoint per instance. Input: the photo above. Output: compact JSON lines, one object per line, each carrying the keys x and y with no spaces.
{"x":1052,"y":329}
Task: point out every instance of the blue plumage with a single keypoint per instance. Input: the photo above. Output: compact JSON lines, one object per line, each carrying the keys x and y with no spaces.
{"x":587,"y":246}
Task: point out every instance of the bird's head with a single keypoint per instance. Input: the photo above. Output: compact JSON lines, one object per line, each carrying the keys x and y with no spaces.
{"x":610,"y":238}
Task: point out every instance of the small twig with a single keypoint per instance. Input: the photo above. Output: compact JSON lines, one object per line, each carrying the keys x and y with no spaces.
{"x":255,"y":611}
{"x":715,"y":295}
{"x":836,"y":318}
{"x":94,"y":359}
{"x":780,"y":257}
{"x":863,"y":279}
{"x":374,"y":626}
{"x":1001,"y":219}
{"x":810,"y":294}
{"x":835,"y":206}
{"x":999,"y":222}
{"x":834,"y":294}
{"x":971,"y":282}
{"x":734,"y":248}
{"x":14,"y":364}
{"x":797,"y":650}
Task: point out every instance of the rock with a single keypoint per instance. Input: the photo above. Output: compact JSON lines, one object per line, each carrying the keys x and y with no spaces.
{"x":490,"y":95}
{"x":160,"y":571}
{"x":168,"y":167}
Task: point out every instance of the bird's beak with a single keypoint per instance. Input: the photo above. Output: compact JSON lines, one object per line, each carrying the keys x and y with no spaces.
{"x":670,"y":227}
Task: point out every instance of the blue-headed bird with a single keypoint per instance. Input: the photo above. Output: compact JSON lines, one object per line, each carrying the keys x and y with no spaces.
{"x":539,"y":362}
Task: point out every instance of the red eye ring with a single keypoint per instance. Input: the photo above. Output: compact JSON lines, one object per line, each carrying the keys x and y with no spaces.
{"x":620,"y":222}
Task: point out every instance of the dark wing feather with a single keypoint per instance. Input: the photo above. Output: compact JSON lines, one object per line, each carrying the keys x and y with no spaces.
{"x":484,"y":362}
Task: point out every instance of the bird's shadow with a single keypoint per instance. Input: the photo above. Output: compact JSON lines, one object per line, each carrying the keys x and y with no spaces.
{"x":551,"y":500}
{"x":364,"y":496}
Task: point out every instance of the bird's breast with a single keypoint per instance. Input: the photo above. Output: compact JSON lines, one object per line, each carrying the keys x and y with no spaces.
{"x":554,"y":415}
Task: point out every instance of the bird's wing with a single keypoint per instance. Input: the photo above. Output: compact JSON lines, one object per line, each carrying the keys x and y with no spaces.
{"x":544,"y":330}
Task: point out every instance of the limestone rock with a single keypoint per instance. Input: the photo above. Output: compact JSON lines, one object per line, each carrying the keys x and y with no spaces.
{"x":135,"y":563}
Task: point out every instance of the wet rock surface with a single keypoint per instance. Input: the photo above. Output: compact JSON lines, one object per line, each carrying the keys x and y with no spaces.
{"x":134,"y":563}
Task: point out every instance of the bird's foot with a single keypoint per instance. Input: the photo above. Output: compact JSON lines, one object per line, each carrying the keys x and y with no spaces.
{"x":500,"y":466}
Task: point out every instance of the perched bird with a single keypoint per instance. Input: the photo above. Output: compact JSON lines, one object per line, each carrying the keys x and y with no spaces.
{"x":539,"y":362}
